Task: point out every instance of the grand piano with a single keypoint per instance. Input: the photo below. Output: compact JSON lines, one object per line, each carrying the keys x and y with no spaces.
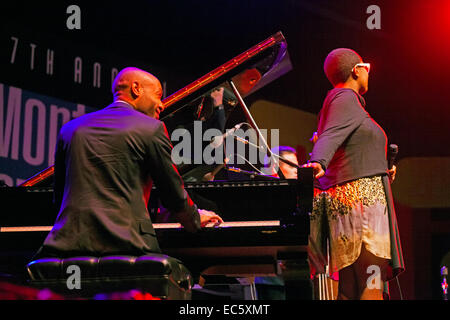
{"x":266,"y":219}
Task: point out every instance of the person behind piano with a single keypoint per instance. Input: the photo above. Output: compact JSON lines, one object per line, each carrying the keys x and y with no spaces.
{"x":217,"y":118}
{"x":105,"y":164}
{"x":287,"y":170}
{"x":353,"y":206}
{"x":210,"y":114}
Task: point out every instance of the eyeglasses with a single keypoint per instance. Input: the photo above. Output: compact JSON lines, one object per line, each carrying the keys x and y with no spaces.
{"x":364,"y":65}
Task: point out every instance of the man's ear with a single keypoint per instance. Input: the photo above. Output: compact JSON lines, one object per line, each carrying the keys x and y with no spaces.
{"x":136,"y":89}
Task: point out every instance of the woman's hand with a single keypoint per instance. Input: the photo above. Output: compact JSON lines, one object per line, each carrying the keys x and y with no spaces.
{"x":317,"y":169}
{"x":392,"y":173}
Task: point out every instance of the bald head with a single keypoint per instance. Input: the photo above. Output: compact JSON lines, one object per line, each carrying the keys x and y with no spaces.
{"x":140,"y":89}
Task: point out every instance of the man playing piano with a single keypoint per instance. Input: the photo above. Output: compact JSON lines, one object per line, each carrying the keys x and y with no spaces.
{"x":105,"y":164}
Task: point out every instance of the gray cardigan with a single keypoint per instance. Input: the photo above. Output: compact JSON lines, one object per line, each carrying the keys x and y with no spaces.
{"x":350,"y":145}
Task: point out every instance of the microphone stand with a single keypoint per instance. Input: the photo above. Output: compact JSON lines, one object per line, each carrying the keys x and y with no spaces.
{"x":251,"y":174}
{"x":274,"y":154}
{"x":280,"y":173}
{"x":255,"y":126}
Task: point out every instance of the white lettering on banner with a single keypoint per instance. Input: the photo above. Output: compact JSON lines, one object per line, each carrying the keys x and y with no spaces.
{"x":164,"y":85}
{"x":97,"y":73}
{"x":114,"y":73}
{"x":77,"y":69}
{"x":81,"y":109}
{"x":10,"y":129}
{"x":33,"y":47}
{"x":36,"y":138}
{"x":6,"y":179}
{"x":14,"y":50}
{"x":28,"y":144}
{"x":50,"y":59}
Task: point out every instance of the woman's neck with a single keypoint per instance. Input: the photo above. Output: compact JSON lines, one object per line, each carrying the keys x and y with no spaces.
{"x":348,"y":85}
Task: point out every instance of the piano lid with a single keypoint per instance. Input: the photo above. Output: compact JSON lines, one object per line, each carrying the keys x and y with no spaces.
{"x":249,"y":71}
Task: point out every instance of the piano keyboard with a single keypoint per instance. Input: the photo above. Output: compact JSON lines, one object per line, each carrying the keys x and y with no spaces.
{"x":230,"y":224}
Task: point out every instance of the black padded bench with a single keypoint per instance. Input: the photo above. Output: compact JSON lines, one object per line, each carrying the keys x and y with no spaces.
{"x":158,"y":274}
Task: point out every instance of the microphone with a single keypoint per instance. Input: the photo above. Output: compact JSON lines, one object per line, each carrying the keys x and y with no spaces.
{"x":218,"y":140}
{"x":393,"y":150}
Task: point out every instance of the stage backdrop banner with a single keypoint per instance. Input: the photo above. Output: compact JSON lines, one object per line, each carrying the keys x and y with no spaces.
{"x":72,"y":71}
{"x":29,"y":125}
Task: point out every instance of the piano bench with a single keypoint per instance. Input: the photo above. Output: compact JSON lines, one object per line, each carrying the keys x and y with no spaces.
{"x":162,"y":276}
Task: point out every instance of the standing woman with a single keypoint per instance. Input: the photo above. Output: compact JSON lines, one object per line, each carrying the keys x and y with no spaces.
{"x":353,"y":225}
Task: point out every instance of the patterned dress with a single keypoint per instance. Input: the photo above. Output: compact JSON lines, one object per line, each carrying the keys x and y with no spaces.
{"x":344,"y":217}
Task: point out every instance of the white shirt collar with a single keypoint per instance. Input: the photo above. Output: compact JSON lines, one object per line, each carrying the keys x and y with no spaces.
{"x":123,"y":101}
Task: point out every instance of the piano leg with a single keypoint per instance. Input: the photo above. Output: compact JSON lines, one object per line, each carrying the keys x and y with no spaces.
{"x":232,"y":281}
{"x":296,"y":276}
{"x":285,"y":279}
{"x":221,"y":287}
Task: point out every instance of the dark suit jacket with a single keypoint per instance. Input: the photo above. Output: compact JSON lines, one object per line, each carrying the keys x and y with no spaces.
{"x":105,"y":163}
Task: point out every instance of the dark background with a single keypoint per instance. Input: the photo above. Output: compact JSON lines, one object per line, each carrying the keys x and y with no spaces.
{"x":180,"y":41}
